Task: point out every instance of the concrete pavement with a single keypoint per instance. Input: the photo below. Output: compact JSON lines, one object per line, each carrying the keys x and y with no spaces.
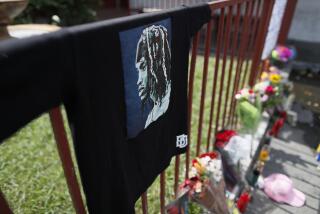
{"x":297,"y":161}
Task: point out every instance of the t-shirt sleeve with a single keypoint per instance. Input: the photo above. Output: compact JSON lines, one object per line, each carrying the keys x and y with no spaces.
{"x":33,"y":78}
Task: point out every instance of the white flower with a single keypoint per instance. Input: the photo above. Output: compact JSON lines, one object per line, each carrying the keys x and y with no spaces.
{"x":214,"y":166}
{"x":198,"y":187}
{"x":193,"y":172}
{"x":261,"y":87}
{"x":211,"y":168}
{"x":238,"y":96}
{"x":219,"y":164}
{"x":245,"y":93}
{"x":217,"y":176}
{"x":204,"y":161}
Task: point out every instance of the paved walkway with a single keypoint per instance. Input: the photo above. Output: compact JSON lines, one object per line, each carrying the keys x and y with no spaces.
{"x":297,"y":161}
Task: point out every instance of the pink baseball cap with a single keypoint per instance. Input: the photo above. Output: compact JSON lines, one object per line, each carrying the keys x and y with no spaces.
{"x":280,"y":188}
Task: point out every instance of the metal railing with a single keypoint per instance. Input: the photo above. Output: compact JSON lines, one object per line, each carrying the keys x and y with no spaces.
{"x":237,"y":31}
{"x":240,"y":27}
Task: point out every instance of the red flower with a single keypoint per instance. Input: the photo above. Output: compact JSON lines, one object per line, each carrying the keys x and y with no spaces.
{"x":269,"y":90}
{"x":212,"y":155}
{"x":224,"y":137}
{"x":283,"y":114}
{"x":193,"y":180}
{"x":251,"y":91}
{"x":186,"y":183}
{"x":194,"y":161}
{"x":243,"y":202}
{"x":173,"y":210}
{"x":276,"y":127}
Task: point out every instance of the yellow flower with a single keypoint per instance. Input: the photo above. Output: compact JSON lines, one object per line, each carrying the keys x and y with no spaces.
{"x":275,"y":78}
{"x":199,"y":168}
{"x":264,"y":76}
{"x":264,"y":155}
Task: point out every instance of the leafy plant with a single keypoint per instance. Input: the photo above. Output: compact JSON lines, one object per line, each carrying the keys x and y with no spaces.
{"x":61,"y":12}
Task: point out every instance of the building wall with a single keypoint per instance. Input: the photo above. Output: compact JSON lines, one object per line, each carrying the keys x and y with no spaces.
{"x":305,"y":32}
{"x":306,"y":21}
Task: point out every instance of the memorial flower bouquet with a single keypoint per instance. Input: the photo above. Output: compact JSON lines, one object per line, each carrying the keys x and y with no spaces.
{"x":206,"y":184}
{"x":270,"y":89}
{"x":269,"y":94}
{"x":248,"y":108}
{"x":281,"y":55}
{"x":273,"y":76}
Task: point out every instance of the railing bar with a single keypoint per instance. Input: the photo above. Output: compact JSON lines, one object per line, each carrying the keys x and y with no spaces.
{"x":226,"y":47}
{"x":225,"y":3}
{"x":263,"y":65}
{"x":245,"y":74}
{"x":190,"y":95}
{"x":256,"y":24}
{"x":162,"y":191}
{"x":204,"y":83}
{"x":65,"y":156}
{"x":263,"y":29}
{"x":4,"y":206}
{"x":144,"y":203}
{"x":176,"y":175}
{"x":215,"y":79}
{"x":287,"y":20}
{"x":237,"y":76}
{"x":231,"y":10}
{"x":242,"y":49}
{"x":233,"y":50}
{"x":235,"y":124}
{"x":246,"y":40}
{"x":242,"y":58}
{"x":251,"y":40}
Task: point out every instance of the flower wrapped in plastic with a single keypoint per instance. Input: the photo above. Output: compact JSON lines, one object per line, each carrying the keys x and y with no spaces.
{"x":180,"y":205}
{"x":207,"y":184}
{"x":248,"y":108}
{"x":273,"y":76}
{"x":281,"y":55}
{"x":269,"y":94}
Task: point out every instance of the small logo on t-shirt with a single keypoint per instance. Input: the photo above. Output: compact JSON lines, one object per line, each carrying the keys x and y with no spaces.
{"x":182,"y":141}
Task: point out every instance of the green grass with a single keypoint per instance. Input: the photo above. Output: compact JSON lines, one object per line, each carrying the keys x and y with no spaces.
{"x":31,"y":176}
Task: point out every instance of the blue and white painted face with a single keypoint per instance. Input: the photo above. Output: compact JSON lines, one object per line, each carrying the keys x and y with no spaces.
{"x":142,"y":82}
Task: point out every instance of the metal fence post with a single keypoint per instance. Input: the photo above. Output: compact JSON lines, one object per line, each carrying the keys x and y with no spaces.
{"x":263,"y":30}
{"x":4,"y":206}
{"x":286,"y":21}
{"x":65,"y":156}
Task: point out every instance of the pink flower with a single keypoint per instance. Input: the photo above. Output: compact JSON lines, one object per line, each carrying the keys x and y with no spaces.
{"x":264,"y":98}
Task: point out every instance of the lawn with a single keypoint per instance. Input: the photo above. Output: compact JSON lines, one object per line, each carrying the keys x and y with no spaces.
{"x":31,"y":176}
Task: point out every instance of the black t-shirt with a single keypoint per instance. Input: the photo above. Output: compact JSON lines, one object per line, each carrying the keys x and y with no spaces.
{"x":124,"y":85}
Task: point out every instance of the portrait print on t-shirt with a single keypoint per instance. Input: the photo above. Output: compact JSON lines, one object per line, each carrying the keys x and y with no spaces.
{"x":146,"y":61}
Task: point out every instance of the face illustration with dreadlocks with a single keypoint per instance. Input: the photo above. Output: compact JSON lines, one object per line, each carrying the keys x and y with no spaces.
{"x":153,"y":63}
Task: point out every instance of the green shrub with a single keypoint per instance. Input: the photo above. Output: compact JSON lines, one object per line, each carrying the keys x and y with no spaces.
{"x":70,"y":12}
